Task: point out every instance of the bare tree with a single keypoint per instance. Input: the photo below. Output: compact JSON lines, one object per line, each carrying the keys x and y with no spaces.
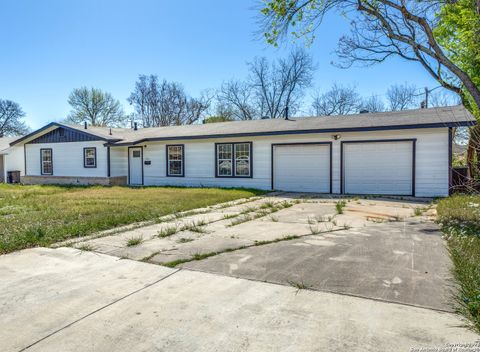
{"x":280,"y":84}
{"x":337,"y":101}
{"x":235,"y":98}
{"x":373,"y":104}
{"x":166,"y":103}
{"x":145,"y":100}
{"x":402,"y":97}
{"x":443,"y":98}
{"x":96,"y":107}
{"x":196,"y":107}
{"x":270,"y":88}
{"x":11,"y":115}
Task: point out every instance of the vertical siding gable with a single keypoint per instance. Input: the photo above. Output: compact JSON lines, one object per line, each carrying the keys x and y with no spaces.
{"x":62,"y":135}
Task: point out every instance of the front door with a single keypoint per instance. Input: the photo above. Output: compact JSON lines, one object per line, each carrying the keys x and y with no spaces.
{"x":135,"y":166}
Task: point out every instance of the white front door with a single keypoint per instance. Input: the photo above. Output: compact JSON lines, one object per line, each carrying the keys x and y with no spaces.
{"x":135,"y":166}
{"x":378,"y":167}
{"x":301,"y":168}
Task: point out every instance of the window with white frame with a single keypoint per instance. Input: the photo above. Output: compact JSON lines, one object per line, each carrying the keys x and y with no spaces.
{"x":242,"y":159}
{"x":224,"y":160}
{"x":90,"y":157}
{"x":175,"y":160}
{"x":46,"y":161}
{"x":234,"y":159}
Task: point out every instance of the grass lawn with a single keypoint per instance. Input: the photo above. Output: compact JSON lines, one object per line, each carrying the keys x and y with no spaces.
{"x":459,"y":216}
{"x":41,"y":215}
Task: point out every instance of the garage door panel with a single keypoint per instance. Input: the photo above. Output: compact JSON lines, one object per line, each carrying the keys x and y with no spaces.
{"x":302,"y":168}
{"x":378,"y":167}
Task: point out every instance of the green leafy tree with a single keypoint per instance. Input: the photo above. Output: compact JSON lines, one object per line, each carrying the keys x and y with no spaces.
{"x":427,"y":32}
{"x":458,"y":31}
{"x":96,"y":107}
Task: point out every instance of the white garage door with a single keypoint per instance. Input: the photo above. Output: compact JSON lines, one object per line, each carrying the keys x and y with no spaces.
{"x":301,"y":168}
{"x":378,"y":168}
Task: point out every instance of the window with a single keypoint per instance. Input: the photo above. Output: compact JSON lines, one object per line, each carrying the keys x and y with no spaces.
{"x":175,"y":156}
{"x":136,"y":154}
{"x":90,"y":157}
{"x":46,"y":161}
{"x":225,"y":160}
{"x":234,"y":159}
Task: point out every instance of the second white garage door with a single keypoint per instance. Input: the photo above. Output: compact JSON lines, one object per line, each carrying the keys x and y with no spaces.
{"x":378,"y":167}
{"x":301,"y":168}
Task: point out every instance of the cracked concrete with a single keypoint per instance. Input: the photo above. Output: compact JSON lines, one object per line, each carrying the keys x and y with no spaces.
{"x":403,"y":262}
{"x":371,"y":271}
{"x":66,"y":300}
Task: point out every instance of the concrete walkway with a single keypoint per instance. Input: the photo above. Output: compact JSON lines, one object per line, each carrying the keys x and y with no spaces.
{"x":68,"y":300}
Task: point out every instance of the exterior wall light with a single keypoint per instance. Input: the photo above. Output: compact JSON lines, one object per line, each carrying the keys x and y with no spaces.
{"x":336,"y":137}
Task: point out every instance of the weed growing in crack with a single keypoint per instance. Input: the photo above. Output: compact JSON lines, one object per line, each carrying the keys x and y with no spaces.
{"x":300,"y":285}
{"x":167,"y":231}
{"x":241,"y":219}
{"x":418,"y":211}
{"x":201,"y":256}
{"x":320,"y":218}
{"x":267,"y":205}
{"x":85,"y":247}
{"x":286,"y":204}
{"x":195,"y":227}
{"x":248,"y":210}
{"x":134,"y":241}
{"x":229,"y":216}
{"x":340,"y":205}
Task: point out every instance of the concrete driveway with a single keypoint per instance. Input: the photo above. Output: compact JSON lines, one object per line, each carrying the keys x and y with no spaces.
{"x":404,"y":262}
{"x":67,"y":300}
{"x":377,"y":248}
{"x":281,"y":273}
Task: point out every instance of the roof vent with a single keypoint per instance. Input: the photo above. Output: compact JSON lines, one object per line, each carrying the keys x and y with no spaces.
{"x":85,"y":125}
{"x":110,"y":131}
{"x":135,"y":126}
{"x":265,"y":117}
{"x":286,"y":112}
{"x":364,"y":111}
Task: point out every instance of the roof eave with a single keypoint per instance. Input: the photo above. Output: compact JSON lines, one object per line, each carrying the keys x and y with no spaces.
{"x":309,"y":131}
{"x":57,"y":124}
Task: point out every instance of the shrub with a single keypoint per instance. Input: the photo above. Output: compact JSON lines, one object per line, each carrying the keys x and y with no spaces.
{"x":459,"y":217}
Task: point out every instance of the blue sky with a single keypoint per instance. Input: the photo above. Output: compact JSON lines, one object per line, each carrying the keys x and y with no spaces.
{"x":50,"y":47}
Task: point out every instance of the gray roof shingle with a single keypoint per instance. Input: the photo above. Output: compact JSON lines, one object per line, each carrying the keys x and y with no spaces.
{"x":434,"y":117}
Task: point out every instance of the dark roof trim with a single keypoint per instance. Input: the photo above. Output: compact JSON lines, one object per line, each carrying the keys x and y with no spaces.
{"x":325,"y":130}
{"x":56,"y":124}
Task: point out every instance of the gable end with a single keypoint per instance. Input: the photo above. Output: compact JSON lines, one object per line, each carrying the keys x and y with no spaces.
{"x":62,"y":135}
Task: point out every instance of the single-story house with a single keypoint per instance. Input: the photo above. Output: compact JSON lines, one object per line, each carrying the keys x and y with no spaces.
{"x":391,"y":153}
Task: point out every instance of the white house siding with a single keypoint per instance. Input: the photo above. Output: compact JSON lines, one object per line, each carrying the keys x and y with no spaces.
{"x":14,"y":160}
{"x":67,"y":159}
{"x":431,"y":159}
{"x":118,"y":161}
